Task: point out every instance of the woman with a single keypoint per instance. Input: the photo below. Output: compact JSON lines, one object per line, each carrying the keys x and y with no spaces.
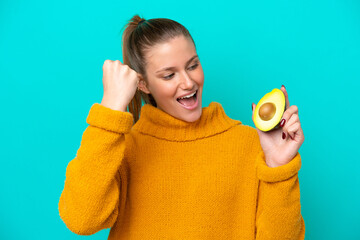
{"x":181,"y":171}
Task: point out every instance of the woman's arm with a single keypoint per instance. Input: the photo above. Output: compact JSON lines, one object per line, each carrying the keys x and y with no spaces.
{"x":90,"y":198}
{"x":278,"y":213}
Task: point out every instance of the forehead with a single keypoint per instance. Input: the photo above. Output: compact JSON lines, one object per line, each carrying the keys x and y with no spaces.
{"x":173,"y":52}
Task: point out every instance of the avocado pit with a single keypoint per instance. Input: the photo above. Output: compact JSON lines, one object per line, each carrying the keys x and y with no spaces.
{"x":267,"y":111}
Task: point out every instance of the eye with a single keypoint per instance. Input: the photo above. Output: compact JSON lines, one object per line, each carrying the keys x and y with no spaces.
{"x":193,"y":66}
{"x":169,"y":76}
{"x":190,"y":68}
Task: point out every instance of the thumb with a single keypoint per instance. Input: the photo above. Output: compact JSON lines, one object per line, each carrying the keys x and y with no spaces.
{"x":253,"y":106}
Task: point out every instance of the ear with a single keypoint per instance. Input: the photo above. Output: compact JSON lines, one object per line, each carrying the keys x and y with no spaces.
{"x":142,"y":86}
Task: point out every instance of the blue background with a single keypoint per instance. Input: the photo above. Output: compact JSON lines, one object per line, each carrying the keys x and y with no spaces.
{"x":51,"y":57}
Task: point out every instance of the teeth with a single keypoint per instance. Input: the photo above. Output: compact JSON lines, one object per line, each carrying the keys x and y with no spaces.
{"x":188,"y":96}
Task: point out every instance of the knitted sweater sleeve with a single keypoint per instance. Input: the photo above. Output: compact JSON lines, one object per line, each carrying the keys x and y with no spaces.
{"x":278,"y":214}
{"x":90,"y":198}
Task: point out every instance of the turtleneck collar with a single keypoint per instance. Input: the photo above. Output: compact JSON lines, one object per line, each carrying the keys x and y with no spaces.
{"x":155,"y":122}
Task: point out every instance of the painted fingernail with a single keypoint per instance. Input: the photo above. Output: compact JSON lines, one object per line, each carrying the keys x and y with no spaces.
{"x":252,"y":106}
{"x":291,"y":137}
{"x":283,"y":135}
{"x":282,"y":123}
{"x":283,"y":86}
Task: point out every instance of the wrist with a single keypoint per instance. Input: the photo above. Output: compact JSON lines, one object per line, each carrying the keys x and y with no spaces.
{"x":276,"y":161}
{"x":272,"y":164}
{"x":117,"y":107}
{"x":271,"y":161}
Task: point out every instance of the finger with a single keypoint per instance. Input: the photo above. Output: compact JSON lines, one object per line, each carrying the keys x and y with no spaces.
{"x":293,"y":119}
{"x":287,"y":104}
{"x":287,"y":114}
{"x":293,"y":129}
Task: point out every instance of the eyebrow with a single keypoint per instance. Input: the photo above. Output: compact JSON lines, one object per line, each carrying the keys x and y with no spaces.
{"x":170,"y":68}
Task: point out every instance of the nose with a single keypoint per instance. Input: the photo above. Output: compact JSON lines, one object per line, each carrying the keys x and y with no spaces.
{"x":186,"y":81}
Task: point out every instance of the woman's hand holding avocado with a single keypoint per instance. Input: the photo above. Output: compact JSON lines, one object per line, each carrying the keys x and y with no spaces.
{"x":119,"y":83}
{"x":280,"y":145}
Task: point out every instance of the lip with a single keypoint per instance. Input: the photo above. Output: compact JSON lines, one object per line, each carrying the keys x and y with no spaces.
{"x":193,"y":106}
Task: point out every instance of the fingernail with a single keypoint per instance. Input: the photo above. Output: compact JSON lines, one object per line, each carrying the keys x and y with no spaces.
{"x":282,"y":123}
{"x":283,"y":86}
{"x":283,"y":135}
{"x":291,"y":137}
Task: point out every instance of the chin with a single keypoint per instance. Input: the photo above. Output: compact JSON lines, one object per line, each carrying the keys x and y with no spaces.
{"x":193,"y":117}
{"x":184,"y":114}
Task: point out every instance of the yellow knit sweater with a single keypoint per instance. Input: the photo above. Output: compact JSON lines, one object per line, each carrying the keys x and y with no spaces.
{"x":164,"y":178}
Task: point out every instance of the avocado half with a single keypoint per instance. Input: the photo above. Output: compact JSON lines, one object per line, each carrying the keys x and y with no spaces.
{"x":269,"y":110}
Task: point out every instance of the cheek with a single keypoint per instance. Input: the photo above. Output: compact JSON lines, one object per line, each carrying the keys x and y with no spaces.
{"x":198,"y":75}
{"x":166,"y":90}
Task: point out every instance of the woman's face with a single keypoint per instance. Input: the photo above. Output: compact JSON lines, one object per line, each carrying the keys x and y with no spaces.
{"x":173,"y":71}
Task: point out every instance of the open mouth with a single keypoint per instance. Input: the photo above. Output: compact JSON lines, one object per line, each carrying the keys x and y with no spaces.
{"x":189,"y":100}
